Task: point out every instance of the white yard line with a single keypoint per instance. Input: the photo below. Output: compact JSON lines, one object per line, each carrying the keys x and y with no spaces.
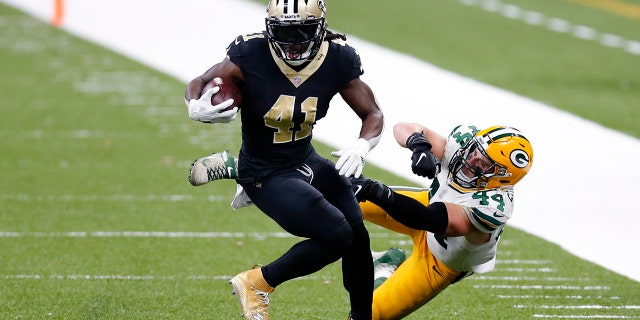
{"x":132,"y":277}
{"x":515,"y":12}
{"x":562,"y":316}
{"x":573,"y":196}
{"x":166,"y":234}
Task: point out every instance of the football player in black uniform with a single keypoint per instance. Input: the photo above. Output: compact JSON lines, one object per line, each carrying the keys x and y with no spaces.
{"x":288,"y":75}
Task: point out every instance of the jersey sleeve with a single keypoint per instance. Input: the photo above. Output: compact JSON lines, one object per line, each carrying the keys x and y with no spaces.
{"x":240,"y":47}
{"x":350,"y":62}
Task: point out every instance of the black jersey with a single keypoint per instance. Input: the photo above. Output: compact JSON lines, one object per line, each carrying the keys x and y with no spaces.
{"x":281,"y":105}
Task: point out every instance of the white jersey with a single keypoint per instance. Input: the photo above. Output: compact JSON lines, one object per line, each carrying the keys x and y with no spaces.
{"x":488,"y":211}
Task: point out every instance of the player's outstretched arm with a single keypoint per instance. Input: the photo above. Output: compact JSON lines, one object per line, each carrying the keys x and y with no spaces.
{"x":448,"y":219}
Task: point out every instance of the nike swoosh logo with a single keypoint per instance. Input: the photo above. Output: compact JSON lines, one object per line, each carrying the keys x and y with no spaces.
{"x":498,"y":215}
{"x":358,"y":188}
{"x":230,"y":169}
{"x":306,"y":171}
{"x":422,"y":155}
{"x":436,"y":270}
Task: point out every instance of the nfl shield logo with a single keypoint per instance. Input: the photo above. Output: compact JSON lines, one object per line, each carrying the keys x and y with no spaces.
{"x":297,"y":81}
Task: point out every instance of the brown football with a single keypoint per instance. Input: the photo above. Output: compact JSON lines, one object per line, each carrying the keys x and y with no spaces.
{"x":228,"y":90}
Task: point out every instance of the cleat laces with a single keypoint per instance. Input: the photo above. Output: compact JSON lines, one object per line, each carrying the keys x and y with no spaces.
{"x":220,"y":165}
{"x":262,"y":306}
{"x":216,"y":172}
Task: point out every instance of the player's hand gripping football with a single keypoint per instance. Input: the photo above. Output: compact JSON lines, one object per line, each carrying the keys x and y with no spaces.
{"x":351,"y":160}
{"x":202,"y":110}
{"x":423,"y":162}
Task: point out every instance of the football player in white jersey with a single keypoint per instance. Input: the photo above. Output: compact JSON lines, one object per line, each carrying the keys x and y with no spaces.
{"x":456,"y":223}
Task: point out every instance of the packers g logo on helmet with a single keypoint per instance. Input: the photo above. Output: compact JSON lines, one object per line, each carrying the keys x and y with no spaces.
{"x":519,"y":158}
{"x":508,"y":149}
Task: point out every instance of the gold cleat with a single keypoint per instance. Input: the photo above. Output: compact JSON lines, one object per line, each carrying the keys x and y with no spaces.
{"x":252,"y":292}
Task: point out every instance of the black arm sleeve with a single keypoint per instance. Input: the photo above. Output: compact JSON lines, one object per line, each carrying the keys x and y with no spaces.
{"x":413,"y":214}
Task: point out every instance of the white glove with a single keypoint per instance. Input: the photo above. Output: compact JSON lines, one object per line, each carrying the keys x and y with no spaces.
{"x":202,"y":110}
{"x":351,"y":161}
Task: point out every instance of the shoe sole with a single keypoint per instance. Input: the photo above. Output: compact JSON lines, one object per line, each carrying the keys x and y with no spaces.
{"x":233,"y":291}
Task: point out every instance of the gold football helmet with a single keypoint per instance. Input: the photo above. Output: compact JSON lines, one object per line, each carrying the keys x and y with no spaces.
{"x":296,"y":28}
{"x":498,"y":156}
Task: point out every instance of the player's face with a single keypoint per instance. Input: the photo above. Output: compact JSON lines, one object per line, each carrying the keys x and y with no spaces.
{"x":294,"y":51}
{"x":476,"y":164}
{"x":295,"y":40}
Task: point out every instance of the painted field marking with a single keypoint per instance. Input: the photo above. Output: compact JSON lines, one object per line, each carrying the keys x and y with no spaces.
{"x":163,"y":234}
{"x":525,"y":278}
{"x":522,"y":270}
{"x":623,"y":9}
{"x":589,"y":307}
{"x":572,"y":297}
{"x":518,"y":261}
{"x":558,"y":316}
{"x":541,"y":287}
{"x":111,"y":198}
{"x":94,"y":277}
{"x":514,"y":12}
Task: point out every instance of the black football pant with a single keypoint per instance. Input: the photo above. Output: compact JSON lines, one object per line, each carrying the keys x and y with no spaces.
{"x":314,"y":202}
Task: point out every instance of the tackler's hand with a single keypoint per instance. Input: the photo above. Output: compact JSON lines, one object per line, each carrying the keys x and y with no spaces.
{"x":423,"y":162}
{"x":366,"y":189}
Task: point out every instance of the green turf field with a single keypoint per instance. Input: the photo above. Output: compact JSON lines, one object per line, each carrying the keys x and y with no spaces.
{"x":521,"y":54}
{"x":97,"y":219}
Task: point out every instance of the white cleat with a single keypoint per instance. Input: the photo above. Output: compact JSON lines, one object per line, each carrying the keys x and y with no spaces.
{"x":220,"y":165}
